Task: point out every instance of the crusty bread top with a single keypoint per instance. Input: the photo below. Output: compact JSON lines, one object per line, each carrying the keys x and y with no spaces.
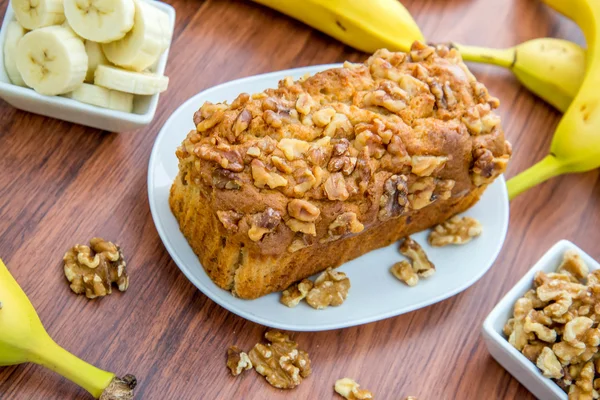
{"x":331,"y":154}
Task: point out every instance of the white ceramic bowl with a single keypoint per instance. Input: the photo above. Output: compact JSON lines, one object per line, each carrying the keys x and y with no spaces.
{"x":510,"y":358}
{"x":70,"y":110}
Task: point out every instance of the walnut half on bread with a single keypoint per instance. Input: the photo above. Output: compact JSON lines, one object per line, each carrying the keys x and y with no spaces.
{"x":280,"y":185}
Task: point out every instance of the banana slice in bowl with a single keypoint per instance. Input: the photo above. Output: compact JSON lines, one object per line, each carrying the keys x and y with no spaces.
{"x":142,"y":83}
{"x":14,"y":33}
{"x":102,"y":97}
{"x":145,"y":42}
{"x":101,"y":21}
{"x":33,"y":14}
{"x":52,"y":60}
{"x":95,"y":57}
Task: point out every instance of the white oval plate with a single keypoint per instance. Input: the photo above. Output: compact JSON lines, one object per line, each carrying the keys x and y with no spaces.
{"x":375,"y":293}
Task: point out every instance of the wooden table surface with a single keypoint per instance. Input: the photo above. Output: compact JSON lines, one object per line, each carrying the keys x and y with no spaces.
{"x":62,"y":183}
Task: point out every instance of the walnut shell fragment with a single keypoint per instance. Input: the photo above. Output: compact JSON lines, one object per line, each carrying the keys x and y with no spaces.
{"x":93,"y":269}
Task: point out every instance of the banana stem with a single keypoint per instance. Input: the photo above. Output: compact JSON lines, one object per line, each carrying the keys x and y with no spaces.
{"x":501,"y":57}
{"x":52,"y":356}
{"x":547,"y":168}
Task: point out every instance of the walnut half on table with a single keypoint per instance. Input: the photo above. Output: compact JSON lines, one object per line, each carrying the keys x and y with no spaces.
{"x":93,"y":269}
{"x":280,"y":362}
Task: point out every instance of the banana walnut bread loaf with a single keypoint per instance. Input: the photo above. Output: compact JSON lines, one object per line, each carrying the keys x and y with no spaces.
{"x":280,"y":185}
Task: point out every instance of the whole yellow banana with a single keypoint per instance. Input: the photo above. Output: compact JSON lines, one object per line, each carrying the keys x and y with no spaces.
{"x":366,"y":25}
{"x":24,"y":339}
{"x":551,"y":68}
{"x":576,"y":143}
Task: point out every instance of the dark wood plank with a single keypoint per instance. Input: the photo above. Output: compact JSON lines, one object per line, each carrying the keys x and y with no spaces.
{"x":62,"y":183}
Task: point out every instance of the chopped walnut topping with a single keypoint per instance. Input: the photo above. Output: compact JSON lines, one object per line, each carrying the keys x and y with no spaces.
{"x":427,"y":165}
{"x":224,"y":179}
{"x":344,"y":224}
{"x":382,"y":99}
{"x":293,"y":295}
{"x":93,"y":269}
{"x":369,"y":140}
{"x":304,"y":103}
{"x":303,"y":210}
{"x":301,"y":226}
{"x":323,"y":116}
{"x":298,"y":243}
{"x":421,"y":192}
{"x":456,"y":230}
{"x":339,"y":123}
{"x":263,"y":223}
{"x":272,"y":119}
{"x":240,"y":101}
{"x":263,"y":177}
{"x":280,"y":361}
{"x":419,"y":51}
{"x":230,"y":219}
{"x":486,"y":167}
{"x":443,"y":189}
{"x":350,"y":390}
{"x":394,"y":200}
{"x":305,"y":180}
{"x":335,"y":187}
{"x":253,"y":151}
{"x":242,"y":122}
{"x":421,"y":264}
{"x":293,"y":149}
{"x":281,"y":165}
{"x":227,"y":159}
{"x":210,"y":115}
{"x":330,"y":289}
{"x":237,"y":361}
{"x":405,"y":272}
{"x":479,"y":119}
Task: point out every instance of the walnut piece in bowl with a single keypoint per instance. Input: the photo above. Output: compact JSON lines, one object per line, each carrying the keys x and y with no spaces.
{"x":93,"y":269}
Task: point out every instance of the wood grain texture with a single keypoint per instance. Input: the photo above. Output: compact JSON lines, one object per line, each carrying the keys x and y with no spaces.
{"x":62,"y":183}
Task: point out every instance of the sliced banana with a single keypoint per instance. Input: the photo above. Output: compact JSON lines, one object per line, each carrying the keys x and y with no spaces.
{"x":52,"y":60}
{"x":14,"y":32}
{"x":100,"y":20}
{"x":143,"y":45}
{"x":33,"y":14}
{"x":143,"y":83}
{"x":95,"y":57}
{"x":102,"y":97}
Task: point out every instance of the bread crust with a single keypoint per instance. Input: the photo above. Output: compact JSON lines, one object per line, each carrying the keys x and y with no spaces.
{"x":278,"y":186}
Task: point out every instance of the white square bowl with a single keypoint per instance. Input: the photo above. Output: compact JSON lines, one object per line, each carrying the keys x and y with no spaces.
{"x":144,"y":107}
{"x":510,"y":358}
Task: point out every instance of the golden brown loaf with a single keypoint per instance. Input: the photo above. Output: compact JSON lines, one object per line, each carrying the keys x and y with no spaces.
{"x":282,"y":184}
